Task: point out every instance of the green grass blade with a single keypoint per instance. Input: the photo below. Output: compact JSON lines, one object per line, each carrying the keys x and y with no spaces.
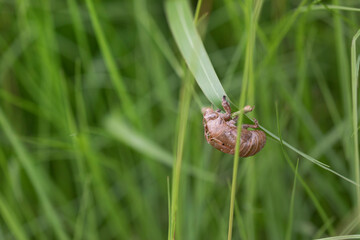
{"x":191,"y":47}
{"x":291,"y":211}
{"x":351,"y":226}
{"x":169,"y":207}
{"x":343,"y":71}
{"x":354,"y":89}
{"x":327,"y":7}
{"x":345,"y":237}
{"x":251,"y":19}
{"x":185,"y":97}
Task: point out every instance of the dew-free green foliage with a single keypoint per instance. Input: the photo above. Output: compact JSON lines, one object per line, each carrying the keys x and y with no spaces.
{"x":101,"y":126}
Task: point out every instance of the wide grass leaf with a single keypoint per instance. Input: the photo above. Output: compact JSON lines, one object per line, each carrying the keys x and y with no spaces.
{"x":191,"y":47}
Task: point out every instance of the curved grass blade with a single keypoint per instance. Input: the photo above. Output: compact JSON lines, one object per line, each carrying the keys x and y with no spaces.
{"x":341,"y":237}
{"x":327,"y":7}
{"x":194,"y":53}
{"x":311,"y":159}
{"x":191,"y":47}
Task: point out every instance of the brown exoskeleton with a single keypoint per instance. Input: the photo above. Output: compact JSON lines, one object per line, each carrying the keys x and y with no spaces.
{"x":221,"y":131}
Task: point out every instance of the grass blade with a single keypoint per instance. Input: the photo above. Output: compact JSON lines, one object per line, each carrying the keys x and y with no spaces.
{"x":291,"y":211}
{"x":327,"y":7}
{"x":169,"y":207}
{"x":248,"y":79}
{"x":354,"y":87}
{"x":193,"y":50}
{"x":345,"y":237}
{"x":185,"y":97}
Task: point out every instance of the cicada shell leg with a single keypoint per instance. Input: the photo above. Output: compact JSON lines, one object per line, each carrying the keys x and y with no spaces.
{"x":227,"y":108}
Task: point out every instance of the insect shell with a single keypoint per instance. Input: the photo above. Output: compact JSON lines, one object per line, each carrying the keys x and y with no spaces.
{"x":221,"y":132}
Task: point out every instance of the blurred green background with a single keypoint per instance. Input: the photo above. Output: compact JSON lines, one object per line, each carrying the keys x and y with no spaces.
{"x":89,"y":121}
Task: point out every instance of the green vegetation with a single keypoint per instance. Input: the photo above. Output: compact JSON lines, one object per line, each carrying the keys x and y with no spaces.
{"x":101,"y":129}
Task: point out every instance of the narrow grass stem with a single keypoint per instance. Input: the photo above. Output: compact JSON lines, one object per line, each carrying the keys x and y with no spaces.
{"x":345,"y":237}
{"x":248,"y":73}
{"x":354,"y":86}
{"x":185,"y":98}
{"x":291,"y":210}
